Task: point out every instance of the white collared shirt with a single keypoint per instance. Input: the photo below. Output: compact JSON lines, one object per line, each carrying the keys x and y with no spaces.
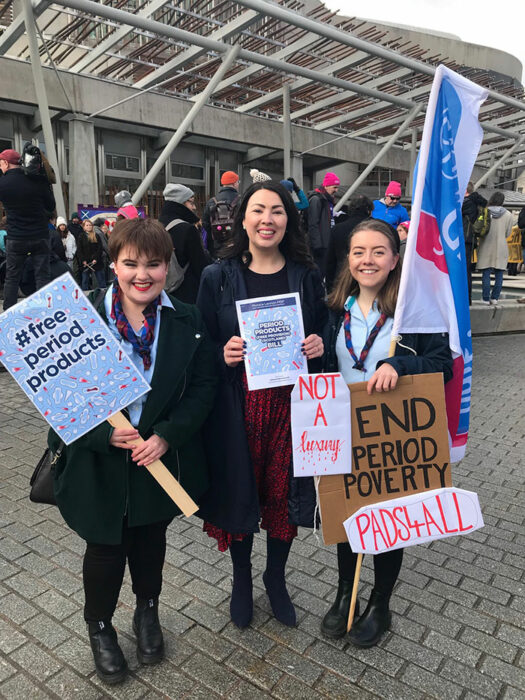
{"x":360,"y":329}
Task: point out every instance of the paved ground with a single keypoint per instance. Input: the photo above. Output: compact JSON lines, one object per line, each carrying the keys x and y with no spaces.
{"x":459,"y":608}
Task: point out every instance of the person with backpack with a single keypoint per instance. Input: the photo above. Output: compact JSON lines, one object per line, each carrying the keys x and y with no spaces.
{"x":219,"y":213}
{"x":321,"y":218}
{"x":189,"y":258}
{"x":474,"y":207}
{"x":493,"y":251}
{"x":28,"y":200}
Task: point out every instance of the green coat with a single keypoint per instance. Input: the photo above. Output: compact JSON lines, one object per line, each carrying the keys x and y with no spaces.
{"x":97,"y":484}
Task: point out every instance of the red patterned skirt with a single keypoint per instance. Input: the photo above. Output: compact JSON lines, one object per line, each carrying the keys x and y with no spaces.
{"x":267,"y":424}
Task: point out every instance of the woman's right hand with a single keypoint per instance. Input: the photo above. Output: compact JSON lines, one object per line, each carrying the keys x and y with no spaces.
{"x":124,"y":438}
{"x":234,"y":351}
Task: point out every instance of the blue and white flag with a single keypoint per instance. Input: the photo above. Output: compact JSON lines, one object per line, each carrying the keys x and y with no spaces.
{"x":433,"y":294}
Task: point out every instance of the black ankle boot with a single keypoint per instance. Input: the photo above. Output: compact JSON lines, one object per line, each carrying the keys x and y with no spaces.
{"x":241,"y":603}
{"x":373,"y":622}
{"x":335,"y":621}
{"x":146,"y":625}
{"x":282,"y":606}
{"x":110,"y":663}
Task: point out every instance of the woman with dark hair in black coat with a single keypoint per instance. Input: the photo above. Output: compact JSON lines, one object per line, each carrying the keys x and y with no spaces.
{"x":249,"y":437}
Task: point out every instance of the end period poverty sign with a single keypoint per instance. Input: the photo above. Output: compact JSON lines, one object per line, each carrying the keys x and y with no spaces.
{"x":66,"y":360}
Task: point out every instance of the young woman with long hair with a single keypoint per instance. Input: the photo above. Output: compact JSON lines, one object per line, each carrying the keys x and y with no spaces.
{"x":90,"y":253}
{"x":357,"y":341}
{"x":248,"y":434}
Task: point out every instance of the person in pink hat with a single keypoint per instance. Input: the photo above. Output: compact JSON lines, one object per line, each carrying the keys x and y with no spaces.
{"x":321,"y":218}
{"x":388,"y":208}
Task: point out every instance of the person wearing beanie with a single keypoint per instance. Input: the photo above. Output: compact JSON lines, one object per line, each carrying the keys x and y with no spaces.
{"x":178,"y":215}
{"x":123,"y":198}
{"x":224,"y":202}
{"x":291,"y":185}
{"x":402,"y":230}
{"x":321,"y":218}
{"x":27,"y":202}
{"x":68,"y":240}
{"x":129,"y":211}
{"x":258,"y":176}
{"x":388,"y":208}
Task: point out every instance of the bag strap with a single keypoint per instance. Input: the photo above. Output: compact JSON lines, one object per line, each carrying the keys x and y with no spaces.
{"x":173,"y":223}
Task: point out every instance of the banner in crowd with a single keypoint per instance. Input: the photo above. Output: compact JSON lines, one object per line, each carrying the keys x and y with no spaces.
{"x":273,"y":330}
{"x":433,"y":294}
{"x":416,"y":519}
{"x":66,"y":360}
{"x":321,"y":433}
{"x":399,"y":448}
{"x":107,"y":213}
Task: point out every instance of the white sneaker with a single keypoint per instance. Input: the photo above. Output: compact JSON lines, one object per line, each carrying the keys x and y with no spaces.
{"x":485,"y":302}
{"x":493,"y":302}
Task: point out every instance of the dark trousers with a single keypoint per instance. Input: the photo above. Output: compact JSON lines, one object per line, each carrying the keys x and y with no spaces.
{"x":144,"y":548}
{"x":468,"y":259}
{"x":320,"y":255}
{"x":386,"y":567}
{"x":17,"y":251}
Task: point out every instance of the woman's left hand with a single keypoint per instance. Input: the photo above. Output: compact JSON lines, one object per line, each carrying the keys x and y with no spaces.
{"x":313,"y":347}
{"x":151,"y":449}
{"x":383,"y":379}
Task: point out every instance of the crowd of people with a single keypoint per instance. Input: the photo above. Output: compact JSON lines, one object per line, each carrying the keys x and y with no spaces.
{"x":229,"y":447}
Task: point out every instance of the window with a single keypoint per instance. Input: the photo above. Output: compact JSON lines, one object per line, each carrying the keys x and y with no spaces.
{"x":5,"y":143}
{"x":130,"y":164}
{"x":193,"y":172}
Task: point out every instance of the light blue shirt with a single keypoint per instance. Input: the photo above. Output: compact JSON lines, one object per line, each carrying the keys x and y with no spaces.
{"x":360,"y":328}
{"x":135,"y":408}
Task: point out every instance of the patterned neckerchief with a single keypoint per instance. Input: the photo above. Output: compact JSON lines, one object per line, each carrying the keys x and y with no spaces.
{"x":143,"y":341}
{"x":360,"y":363}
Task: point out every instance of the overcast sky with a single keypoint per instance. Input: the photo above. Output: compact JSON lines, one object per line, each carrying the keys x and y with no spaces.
{"x":486,"y":22}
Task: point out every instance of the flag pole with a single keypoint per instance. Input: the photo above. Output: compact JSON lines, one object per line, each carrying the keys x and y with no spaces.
{"x":357,"y":574}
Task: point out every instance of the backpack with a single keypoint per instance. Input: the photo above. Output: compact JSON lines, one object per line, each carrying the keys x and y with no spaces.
{"x":176,"y":272}
{"x":222,"y":215}
{"x":481,"y":225}
{"x":31,"y":160}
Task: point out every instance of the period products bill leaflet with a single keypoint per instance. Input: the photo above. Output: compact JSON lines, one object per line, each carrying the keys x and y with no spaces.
{"x":273,"y":330}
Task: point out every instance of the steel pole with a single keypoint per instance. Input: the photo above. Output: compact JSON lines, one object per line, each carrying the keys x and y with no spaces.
{"x":496,"y":165}
{"x":287,"y":133}
{"x":177,"y":137}
{"x":413,"y":157}
{"x":375,"y":160}
{"x":43,"y":105}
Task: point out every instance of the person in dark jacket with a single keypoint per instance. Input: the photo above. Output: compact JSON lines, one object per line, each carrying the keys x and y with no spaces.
{"x":248,"y":434}
{"x":228,"y":193}
{"x":321,"y":218}
{"x":357,"y":341}
{"x":469,"y":214}
{"x":28,"y":201}
{"x":75,"y":226}
{"x":359,"y":209}
{"x":90,"y":253}
{"x":179,"y":217}
{"x":102,"y":487}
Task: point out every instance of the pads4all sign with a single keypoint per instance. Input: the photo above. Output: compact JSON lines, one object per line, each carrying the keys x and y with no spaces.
{"x":321,"y":434}
{"x":66,"y":360}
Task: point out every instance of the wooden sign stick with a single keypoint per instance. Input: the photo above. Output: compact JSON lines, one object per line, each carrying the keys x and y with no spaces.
{"x":159,"y":472}
{"x":357,"y":574}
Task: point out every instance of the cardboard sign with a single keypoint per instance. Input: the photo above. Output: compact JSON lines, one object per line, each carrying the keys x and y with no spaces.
{"x":422,"y":517}
{"x":321,"y":435}
{"x":66,"y":359}
{"x":273,"y":330}
{"x":399,"y":447}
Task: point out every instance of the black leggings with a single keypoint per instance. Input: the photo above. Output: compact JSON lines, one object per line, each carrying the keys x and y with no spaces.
{"x":386,"y":567}
{"x":144,"y":548}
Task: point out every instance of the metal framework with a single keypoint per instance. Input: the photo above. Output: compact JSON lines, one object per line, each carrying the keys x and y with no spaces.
{"x":295,"y":63}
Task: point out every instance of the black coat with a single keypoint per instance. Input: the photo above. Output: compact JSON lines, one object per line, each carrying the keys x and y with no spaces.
{"x":232,"y":502}
{"x":28,"y":201}
{"x":88,"y":251}
{"x":338,"y":245}
{"x":225,"y":194}
{"x":432,"y":351}
{"x":188,"y":247}
{"x":319,"y":220}
{"x":469,"y":213}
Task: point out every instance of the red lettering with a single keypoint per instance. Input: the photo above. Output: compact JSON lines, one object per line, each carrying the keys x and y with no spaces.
{"x":442,"y":513}
{"x":460,"y":521}
{"x":383,"y":512}
{"x":360,"y":529}
{"x":416,"y":525}
{"x":376,"y":529}
{"x":320,"y":415}
{"x":308,"y":387}
{"x":318,"y":378}
{"x":403,"y":524}
{"x":429,"y":519}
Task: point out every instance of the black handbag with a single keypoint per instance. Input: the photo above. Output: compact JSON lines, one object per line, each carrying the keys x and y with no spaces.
{"x":41,"y":481}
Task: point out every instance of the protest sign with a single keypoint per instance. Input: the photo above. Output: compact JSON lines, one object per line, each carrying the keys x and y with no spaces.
{"x":399,"y":447}
{"x":321,"y":434}
{"x":273,"y":330}
{"x":422,"y":517}
{"x":66,"y":360}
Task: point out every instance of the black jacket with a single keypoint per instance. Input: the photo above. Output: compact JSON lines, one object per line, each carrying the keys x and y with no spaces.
{"x":432,"y":351}
{"x":225,"y":194}
{"x":338,"y":245}
{"x":319,"y":220}
{"x":28,"y":201}
{"x":521,"y":219}
{"x":188,"y":247}
{"x":469,"y":213}
{"x":87,"y":251}
{"x":232,"y":502}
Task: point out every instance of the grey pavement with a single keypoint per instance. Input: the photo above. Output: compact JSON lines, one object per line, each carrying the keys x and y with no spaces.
{"x":458,"y":626}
